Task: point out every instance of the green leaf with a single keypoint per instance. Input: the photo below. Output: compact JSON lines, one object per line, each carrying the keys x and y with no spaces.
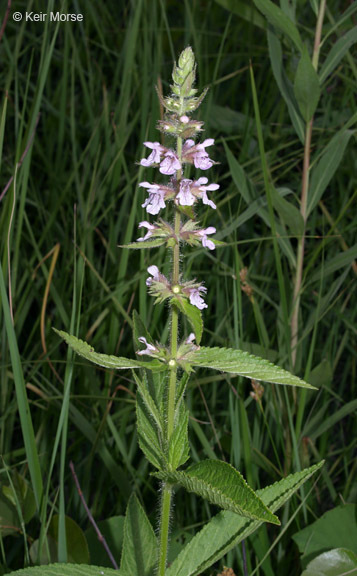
{"x":77,"y":546}
{"x":140,"y":544}
{"x":112,"y":529}
{"x":227,"y":529}
{"x":9,"y":519}
{"x":113,"y":362}
{"x":280,"y":20}
{"x":324,"y":170}
{"x":289,"y":214}
{"x":337,"y":562}
{"x":220,"y":484}
{"x":244,"y":10}
{"x":149,"y":437}
{"x":307,"y":86}
{"x":179,"y":447}
{"x":193,"y":314}
{"x":24,"y":496}
{"x":149,"y":401}
{"x":284,"y":84}
{"x":66,"y":570}
{"x":322,"y":534}
{"x":139,"y":329}
{"x":337,"y":53}
{"x":244,"y":364}
{"x":145,"y":244}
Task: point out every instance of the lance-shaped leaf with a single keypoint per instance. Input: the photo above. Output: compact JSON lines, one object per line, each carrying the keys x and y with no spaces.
{"x":244,"y":364}
{"x":150,"y":439}
{"x":280,"y":20}
{"x":307,"y":86}
{"x":179,"y":447}
{"x":140,"y":545}
{"x":220,"y":484}
{"x":227,"y":529}
{"x":154,"y":243}
{"x":66,"y":570}
{"x":114,"y":362}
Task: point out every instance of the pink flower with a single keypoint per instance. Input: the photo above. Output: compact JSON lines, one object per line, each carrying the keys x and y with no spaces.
{"x":190,"y":338}
{"x":156,"y":199}
{"x":196,"y":154}
{"x":170,"y":164}
{"x":155,"y":156}
{"x":154,"y":271}
{"x":185,"y":196}
{"x":150,"y":349}
{"x":149,"y":226}
{"x":206,"y":242}
{"x":196,"y":299}
{"x":202,"y":191}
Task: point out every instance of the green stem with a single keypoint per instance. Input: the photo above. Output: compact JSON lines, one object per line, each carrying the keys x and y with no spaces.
{"x":304,"y":197}
{"x":171,"y":400}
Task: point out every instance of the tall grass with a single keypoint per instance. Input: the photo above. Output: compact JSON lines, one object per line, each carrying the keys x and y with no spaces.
{"x":77,"y":103}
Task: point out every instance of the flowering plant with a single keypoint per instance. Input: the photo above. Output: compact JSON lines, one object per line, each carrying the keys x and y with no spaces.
{"x":163,"y":371}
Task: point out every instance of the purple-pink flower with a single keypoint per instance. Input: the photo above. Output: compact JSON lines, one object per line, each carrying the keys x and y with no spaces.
{"x":150,"y":227}
{"x":191,"y":190}
{"x":185,"y":196}
{"x":156,"y":199}
{"x":196,"y":154}
{"x":170,"y":163}
{"x":150,"y":349}
{"x":195,"y":297}
{"x":202,"y":191}
{"x":154,"y":271}
{"x":155,"y":156}
{"x":202,"y":234}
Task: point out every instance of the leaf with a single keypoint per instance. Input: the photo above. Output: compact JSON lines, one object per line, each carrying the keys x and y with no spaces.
{"x":145,"y":244}
{"x":140,"y":544}
{"x":9,"y":519}
{"x":149,"y":401}
{"x":149,"y":437}
{"x":24,"y":496}
{"x":289,"y":214}
{"x":227,"y":529}
{"x":337,"y":52}
{"x":220,"y":484}
{"x":244,"y":10}
{"x":77,"y":546}
{"x":321,"y":535}
{"x":193,"y":314}
{"x":244,"y":364}
{"x":66,"y":570}
{"x":179,"y":447}
{"x":324,"y":170}
{"x":284,"y":84}
{"x":112,"y":529}
{"x":113,"y":362}
{"x":278,"y":18}
{"x":139,"y":329}
{"x":307,"y":86}
{"x":337,"y":562}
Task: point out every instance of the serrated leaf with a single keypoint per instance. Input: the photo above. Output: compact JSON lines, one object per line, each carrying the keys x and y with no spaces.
{"x":220,"y":484}
{"x":179,"y":448}
{"x":66,"y":570}
{"x":150,"y":440}
{"x":145,"y":244}
{"x":227,"y":529}
{"x":108,"y":361}
{"x":244,"y":364}
{"x":280,"y":20}
{"x":149,"y":401}
{"x":307,"y":86}
{"x":337,"y":52}
{"x":140,"y":544}
{"x":193,"y":314}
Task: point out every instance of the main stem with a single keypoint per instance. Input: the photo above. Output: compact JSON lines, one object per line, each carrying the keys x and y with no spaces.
{"x":304,"y":197}
{"x":170,"y":415}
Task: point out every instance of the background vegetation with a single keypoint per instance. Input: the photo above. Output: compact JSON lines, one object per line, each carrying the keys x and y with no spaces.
{"x":78,"y":100}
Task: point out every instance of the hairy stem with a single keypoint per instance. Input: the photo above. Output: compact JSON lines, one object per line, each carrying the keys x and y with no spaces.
{"x":304,"y":198}
{"x":170,"y":415}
